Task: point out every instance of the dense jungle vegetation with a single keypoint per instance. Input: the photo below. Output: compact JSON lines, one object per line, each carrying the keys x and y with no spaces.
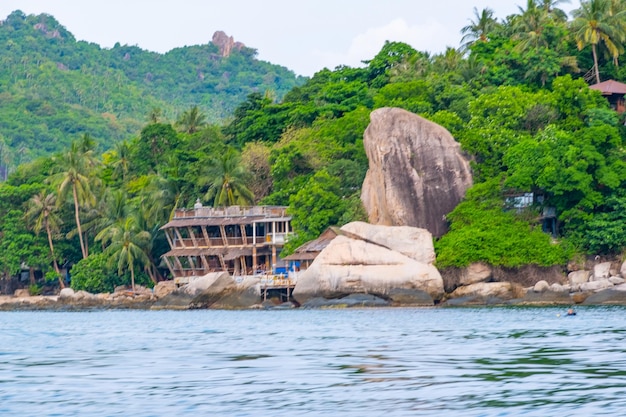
{"x":54,"y":88}
{"x":514,"y":95}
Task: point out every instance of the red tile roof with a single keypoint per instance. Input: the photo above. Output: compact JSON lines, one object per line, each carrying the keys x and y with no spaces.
{"x":610,"y":87}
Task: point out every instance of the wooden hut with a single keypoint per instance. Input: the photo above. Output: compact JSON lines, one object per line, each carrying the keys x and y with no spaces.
{"x":304,"y":255}
{"x":614,"y":92}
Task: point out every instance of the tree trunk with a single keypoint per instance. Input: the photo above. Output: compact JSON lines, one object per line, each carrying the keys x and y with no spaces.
{"x":54,"y":259}
{"x":132,"y":277}
{"x":80,"y":232}
{"x":595,"y":62}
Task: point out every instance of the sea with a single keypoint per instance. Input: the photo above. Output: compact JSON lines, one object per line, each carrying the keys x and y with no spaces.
{"x":488,"y":361}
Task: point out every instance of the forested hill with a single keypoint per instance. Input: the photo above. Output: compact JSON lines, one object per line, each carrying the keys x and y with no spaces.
{"x":54,"y":88}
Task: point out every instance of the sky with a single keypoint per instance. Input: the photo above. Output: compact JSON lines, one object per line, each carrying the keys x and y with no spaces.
{"x":304,"y":36}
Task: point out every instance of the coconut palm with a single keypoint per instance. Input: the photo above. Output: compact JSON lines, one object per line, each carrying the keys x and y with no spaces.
{"x":72,"y":174}
{"x":42,"y":214}
{"x":121,"y":163}
{"x":191,"y":120}
{"x":599,"y":22}
{"x":479,"y":28}
{"x":551,"y":9}
{"x":127,"y":246}
{"x":226,"y":178}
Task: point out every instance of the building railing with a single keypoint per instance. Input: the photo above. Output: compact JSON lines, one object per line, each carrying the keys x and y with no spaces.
{"x":232,"y":211}
{"x":269,"y":239}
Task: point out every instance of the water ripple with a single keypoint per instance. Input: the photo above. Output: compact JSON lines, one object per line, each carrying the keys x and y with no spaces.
{"x":370,"y":362}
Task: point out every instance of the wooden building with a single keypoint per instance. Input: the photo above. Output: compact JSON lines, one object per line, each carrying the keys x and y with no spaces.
{"x":304,"y":255}
{"x":614,"y":92}
{"x":240,"y":240}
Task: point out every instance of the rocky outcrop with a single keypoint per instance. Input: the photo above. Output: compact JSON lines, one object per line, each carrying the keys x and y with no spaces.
{"x":225,"y":43}
{"x":377,"y":260}
{"x":417,"y":173}
{"x":215,"y":290}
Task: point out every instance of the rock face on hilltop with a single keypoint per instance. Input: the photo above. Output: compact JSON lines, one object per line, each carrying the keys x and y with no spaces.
{"x":225,"y":43}
{"x":417,"y":173}
{"x":393,"y":263}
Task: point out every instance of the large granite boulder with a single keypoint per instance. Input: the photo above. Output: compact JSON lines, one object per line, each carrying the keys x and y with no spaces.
{"x":213,"y":290}
{"x":371,"y":260}
{"x":417,"y":173}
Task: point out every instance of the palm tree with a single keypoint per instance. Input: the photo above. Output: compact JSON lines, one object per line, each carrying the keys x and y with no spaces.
{"x":73,"y":171}
{"x":121,"y":164}
{"x":155,"y":115}
{"x":528,"y":26}
{"x":42,"y":215}
{"x":479,"y":28}
{"x":599,"y":21}
{"x":192,"y":120}
{"x":127,"y":246}
{"x":549,"y":7}
{"x":226,"y":180}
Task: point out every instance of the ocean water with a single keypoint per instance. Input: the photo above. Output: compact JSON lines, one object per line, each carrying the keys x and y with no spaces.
{"x":365,"y":362}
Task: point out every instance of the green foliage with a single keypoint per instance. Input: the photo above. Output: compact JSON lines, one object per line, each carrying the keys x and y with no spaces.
{"x":93,"y":275}
{"x":55,"y":88}
{"x":481,"y":231}
{"x":315,"y":207}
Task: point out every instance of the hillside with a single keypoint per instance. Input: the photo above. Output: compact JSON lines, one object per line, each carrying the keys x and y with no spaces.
{"x":54,"y":88}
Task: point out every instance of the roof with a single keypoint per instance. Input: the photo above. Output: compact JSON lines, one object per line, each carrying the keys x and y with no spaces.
{"x":609,"y":87}
{"x":312,"y":248}
{"x":228,"y":253}
{"x":212,"y":221}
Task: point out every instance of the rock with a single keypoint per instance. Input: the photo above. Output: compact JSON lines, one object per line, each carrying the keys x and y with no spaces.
{"x":601,"y":271}
{"x":66,"y":293}
{"x":617,"y":280}
{"x":352,"y":300}
{"x":197,"y":285}
{"x":485,"y":290}
{"x":547,"y":297}
{"x":622,"y":270}
{"x":607,"y":296}
{"x":22,"y":292}
{"x":348,"y":265}
{"x":410,"y":297}
{"x":417,"y":173}
{"x":164,"y":288}
{"x":243,"y":295}
{"x":475,"y":273}
{"x":559,"y":288}
{"x":541,"y":286}
{"x":580,"y":297}
{"x":596,"y":285}
{"x":578,"y":277}
{"x":410,"y":241}
{"x":225,"y":43}
{"x":83,"y":295}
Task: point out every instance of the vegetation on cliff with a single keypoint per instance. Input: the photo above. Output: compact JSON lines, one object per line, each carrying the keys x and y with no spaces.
{"x":515,"y":98}
{"x":53,"y":88}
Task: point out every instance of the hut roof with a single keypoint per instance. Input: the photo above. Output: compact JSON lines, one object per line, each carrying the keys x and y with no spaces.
{"x":609,"y":87}
{"x":312,"y":248}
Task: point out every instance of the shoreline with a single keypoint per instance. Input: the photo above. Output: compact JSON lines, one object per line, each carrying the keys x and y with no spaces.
{"x":141,"y":302}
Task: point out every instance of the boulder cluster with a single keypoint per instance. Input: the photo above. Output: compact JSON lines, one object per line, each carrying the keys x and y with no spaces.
{"x":599,"y":283}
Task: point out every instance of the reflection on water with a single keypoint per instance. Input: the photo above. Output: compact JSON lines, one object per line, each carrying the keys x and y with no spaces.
{"x":371,"y":362}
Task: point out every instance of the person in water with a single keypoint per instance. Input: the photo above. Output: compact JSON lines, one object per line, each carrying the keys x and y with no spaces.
{"x":571,"y":312}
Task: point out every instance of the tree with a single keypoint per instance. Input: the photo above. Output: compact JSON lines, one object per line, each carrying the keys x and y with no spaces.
{"x":42,"y":215}
{"x":121,"y":163}
{"x":73,"y":171}
{"x":479,"y":29}
{"x":226,"y":178}
{"x":596,"y":22}
{"x":191,"y":120}
{"x":127,"y":246}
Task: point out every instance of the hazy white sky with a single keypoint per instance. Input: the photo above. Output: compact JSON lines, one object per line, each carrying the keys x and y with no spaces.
{"x":304,"y":36}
